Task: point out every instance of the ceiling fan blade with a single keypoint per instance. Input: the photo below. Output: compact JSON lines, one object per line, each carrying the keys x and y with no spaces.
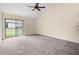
{"x":38,"y":9}
{"x":33,"y":9}
{"x":31,"y":6}
{"x":41,"y":7}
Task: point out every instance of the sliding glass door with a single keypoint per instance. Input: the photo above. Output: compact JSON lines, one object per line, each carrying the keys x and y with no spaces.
{"x":13,"y":28}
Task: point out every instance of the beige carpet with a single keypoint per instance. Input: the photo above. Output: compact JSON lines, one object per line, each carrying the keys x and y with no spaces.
{"x":37,"y":45}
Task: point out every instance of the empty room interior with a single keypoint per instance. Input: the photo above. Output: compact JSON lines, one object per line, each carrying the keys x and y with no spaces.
{"x":39,"y":28}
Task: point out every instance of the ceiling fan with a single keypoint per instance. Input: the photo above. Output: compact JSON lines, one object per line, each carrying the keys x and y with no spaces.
{"x":36,"y":7}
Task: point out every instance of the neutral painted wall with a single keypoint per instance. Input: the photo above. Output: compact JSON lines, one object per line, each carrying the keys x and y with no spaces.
{"x":60,"y":21}
{"x":29,"y":23}
{"x":0,"y":25}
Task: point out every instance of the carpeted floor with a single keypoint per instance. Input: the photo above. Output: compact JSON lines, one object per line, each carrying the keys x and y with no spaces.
{"x":38,"y":45}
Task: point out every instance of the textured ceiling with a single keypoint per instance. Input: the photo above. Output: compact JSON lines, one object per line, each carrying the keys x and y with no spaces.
{"x":22,"y":9}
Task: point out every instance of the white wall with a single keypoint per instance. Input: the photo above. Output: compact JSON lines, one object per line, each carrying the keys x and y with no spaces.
{"x":0,"y":28}
{"x":60,"y":21}
{"x":30,"y":26}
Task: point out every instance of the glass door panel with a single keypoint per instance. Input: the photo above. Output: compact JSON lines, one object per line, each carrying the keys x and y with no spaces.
{"x":19,"y":28}
{"x":10,"y":28}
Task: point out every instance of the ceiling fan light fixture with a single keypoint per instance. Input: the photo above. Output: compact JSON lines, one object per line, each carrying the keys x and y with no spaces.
{"x":36,"y":7}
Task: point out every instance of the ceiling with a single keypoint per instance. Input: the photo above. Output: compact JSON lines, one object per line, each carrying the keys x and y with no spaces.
{"x":22,"y":9}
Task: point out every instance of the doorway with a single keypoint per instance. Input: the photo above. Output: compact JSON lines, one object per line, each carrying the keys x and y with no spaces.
{"x":13,"y":28}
